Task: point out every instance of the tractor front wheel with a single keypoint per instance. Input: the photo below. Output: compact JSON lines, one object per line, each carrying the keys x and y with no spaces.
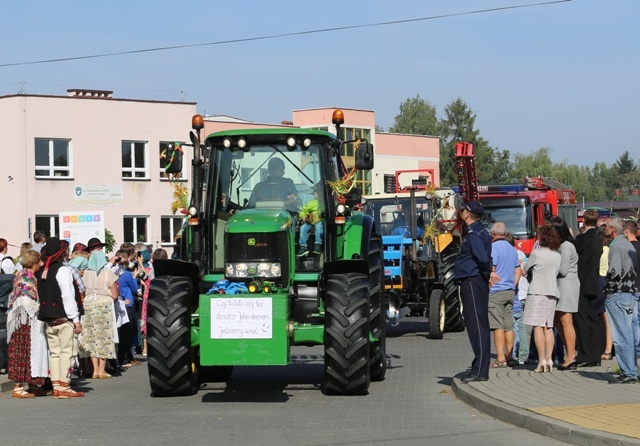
{"x":171,"y":359}
{"x":346,"y":340}
{"x":454,"y":321}
{"x":436,"y":314}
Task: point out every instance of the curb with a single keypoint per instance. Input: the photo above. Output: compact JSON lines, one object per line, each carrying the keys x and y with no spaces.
{"x":539,"y":424}
{"x":5,"y":385}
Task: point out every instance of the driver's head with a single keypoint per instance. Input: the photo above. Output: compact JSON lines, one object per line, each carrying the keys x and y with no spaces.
{"x":276,"y":167}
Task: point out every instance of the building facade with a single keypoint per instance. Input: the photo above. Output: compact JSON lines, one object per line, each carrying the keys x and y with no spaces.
{"x":90,"y":152}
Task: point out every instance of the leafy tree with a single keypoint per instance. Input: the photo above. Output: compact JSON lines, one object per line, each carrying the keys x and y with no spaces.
{"x":417,"y":117}
{"x":379,"y":129}
{"x":458,"y":125}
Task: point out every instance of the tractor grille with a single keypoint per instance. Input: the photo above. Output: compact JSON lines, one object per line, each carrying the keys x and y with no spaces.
{"x":262,"y":246}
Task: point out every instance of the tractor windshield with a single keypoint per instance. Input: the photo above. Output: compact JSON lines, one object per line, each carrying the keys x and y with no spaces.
{"x":268,"y":175}
{"x":392,"y":214}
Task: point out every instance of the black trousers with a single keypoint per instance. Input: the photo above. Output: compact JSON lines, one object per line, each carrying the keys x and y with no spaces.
{"x":125,"y":333}
{"x":474,"y":293}
{"x":589,"y":329}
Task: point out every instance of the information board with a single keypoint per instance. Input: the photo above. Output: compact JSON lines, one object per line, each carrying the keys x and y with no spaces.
{"x":241,"y":318}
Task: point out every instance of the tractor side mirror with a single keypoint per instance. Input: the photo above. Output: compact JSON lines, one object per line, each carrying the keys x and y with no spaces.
{"x":173,"y":160}
{"x":364,"y":156}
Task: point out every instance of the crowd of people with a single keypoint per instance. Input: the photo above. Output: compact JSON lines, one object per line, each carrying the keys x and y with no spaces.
{"x":580,"y":295}
{"x":74,"y":312}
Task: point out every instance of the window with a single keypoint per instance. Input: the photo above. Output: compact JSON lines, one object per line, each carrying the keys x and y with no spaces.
{"x":136,"y":229}
{"x":48,"y":224}
{"x":246,"y":180}
{"x":134,"y":160}
{"x":53,"y":158}
{"x":169,"y":228}
{"x":164,"y":147}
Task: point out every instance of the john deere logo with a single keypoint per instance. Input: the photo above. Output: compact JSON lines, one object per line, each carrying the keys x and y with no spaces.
{"x":78,"y":191}
{"x":251,"y":242}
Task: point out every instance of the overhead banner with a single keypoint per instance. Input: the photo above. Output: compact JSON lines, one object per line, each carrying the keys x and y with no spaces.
{"x":81,"y":226}
{"x":98,"y":194}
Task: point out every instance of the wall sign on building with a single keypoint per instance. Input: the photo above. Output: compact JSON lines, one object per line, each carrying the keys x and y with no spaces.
{"x":98,"y":194}
{"x":80,"y":226}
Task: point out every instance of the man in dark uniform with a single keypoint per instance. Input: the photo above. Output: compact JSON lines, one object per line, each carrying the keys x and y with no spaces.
{"x":473,"y":272}
{"x":589,"y":328}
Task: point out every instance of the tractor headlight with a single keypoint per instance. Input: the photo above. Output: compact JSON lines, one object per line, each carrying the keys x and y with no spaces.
{"x":251,"y":269}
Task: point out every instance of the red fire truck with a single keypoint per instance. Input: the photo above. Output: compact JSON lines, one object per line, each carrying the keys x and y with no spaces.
{"x":524,"y":207}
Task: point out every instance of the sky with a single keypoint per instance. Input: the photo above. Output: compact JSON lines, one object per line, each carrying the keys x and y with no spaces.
{"x":564,"y":76}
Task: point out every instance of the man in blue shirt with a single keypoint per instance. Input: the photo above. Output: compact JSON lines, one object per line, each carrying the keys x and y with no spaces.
{"x":472,"y":270}
{"x":506,"y":265}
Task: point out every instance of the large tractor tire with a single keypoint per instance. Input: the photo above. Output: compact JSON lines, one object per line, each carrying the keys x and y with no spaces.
{"x":436,"y":314}
{"x":346,"y":339}
{"x":171,"y":359}
{"x":453,"y":320}
{"x":377,"y":311}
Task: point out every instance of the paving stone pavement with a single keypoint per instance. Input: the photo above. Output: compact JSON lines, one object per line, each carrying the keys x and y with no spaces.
{"x":578,"y":407}
{"x":275,"y":406}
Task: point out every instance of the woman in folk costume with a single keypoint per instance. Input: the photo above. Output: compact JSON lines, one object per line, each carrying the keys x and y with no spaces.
{"x":98,"y":337}
{"x":28,"y":355}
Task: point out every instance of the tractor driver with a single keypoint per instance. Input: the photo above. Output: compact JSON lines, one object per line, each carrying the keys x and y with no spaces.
{"x":275,"y":187}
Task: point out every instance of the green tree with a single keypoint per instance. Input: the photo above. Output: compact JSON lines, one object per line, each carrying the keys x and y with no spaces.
{"x":379,"y":129}
{"x":458,"y":125}
{"x":625,"y":164}
{"x":417,"y":117}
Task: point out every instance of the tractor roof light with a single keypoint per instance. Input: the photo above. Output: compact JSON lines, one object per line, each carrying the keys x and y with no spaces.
{"x":291,"y":143}
{"x":242,"y":142}
{"x":226,"y":143}
{"x":197,"y":122}
{"x":338,"y":117}
{"x":306,"y":143}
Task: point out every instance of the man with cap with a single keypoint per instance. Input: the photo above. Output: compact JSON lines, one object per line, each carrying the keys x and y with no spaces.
{"x":472,"y":270}
{"x":59,"y":311}
{"x":275,"y":187}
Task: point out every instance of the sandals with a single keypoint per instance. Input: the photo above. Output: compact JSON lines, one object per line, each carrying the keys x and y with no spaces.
{"x":20,"y":393}
{"x":606,"y":356}
{"x":499,"y":364}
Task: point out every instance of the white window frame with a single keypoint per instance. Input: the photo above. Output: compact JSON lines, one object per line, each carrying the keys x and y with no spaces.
{"x":133,"y":170}
{"x":163,"y":174}
{"x":135,"y":227}
{"x":173,"y":220}
{"x":53,"y":169}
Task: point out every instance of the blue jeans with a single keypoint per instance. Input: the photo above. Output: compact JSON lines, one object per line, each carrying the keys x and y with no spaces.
{"x":636,"y":323}
{"x":621,"y":307}
{"x":520,"y":342}
{"x":304,"y":233}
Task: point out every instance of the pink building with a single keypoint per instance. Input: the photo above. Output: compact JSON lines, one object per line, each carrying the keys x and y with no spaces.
{"x":89,"y":151}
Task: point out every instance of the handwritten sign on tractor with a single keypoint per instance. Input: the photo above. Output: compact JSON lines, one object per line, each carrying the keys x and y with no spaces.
{"x":241,"y":318}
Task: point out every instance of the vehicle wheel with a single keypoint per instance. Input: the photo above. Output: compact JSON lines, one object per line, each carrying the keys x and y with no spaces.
{"x":377,"y":312}
{"x":171,"y":359}
{"x":436,"y":314}
{"x":453,"y":320}
{"x":346,"y":338}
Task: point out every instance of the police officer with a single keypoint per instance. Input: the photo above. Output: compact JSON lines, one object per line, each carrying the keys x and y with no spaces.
{"x":473,"y":272}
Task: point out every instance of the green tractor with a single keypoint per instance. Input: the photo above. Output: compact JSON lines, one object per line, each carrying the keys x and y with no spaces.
{"x":244,"y":292}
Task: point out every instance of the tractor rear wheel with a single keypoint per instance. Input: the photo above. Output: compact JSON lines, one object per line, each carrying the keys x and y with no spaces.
{"x":377,"y":313}
{"x":436,"y":314}
{"x":171,"y":359}
{"x":453,"y":305}
{"x":346,"y":339}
